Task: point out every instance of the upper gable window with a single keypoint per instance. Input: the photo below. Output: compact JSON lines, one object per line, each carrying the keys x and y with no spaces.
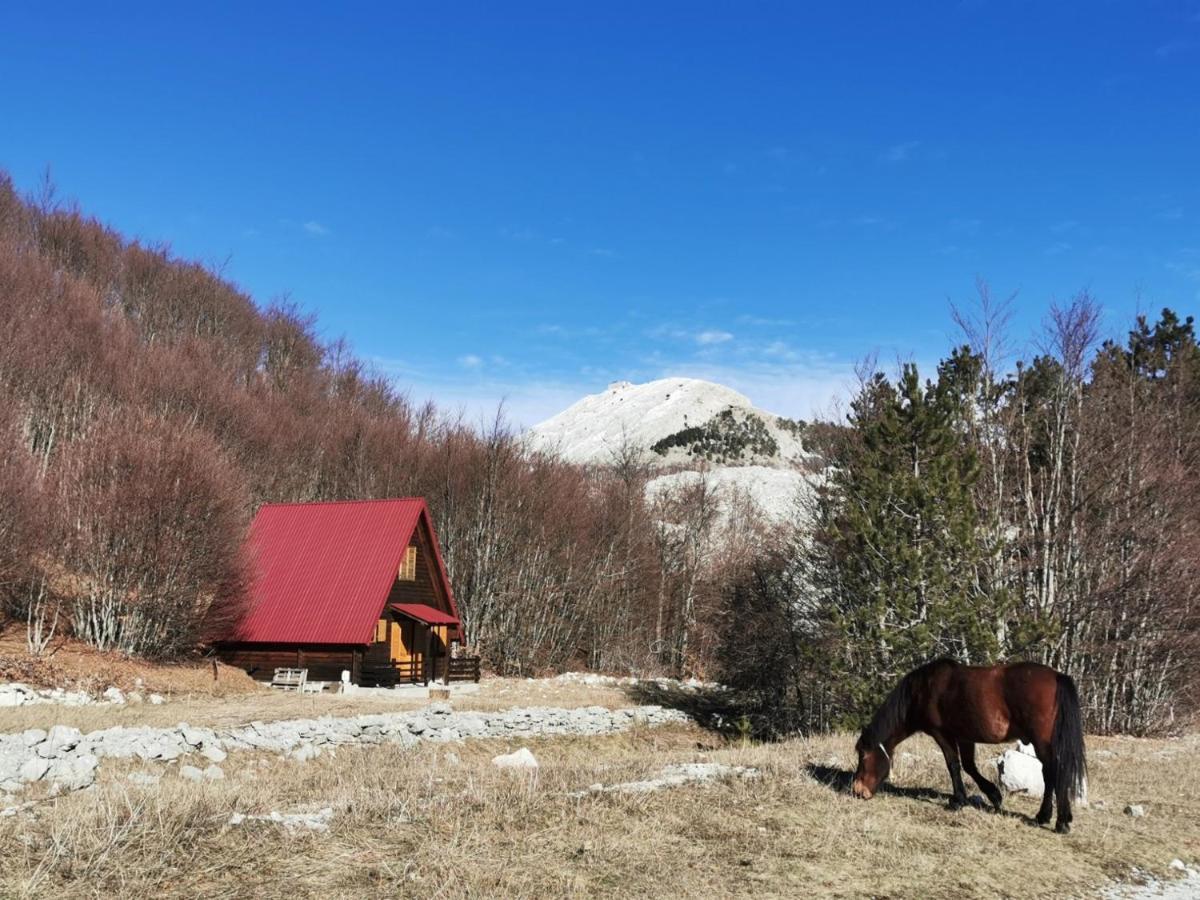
{"x":408,"y":566}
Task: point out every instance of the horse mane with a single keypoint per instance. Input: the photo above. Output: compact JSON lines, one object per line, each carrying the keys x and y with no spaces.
{"x":892,"y":713}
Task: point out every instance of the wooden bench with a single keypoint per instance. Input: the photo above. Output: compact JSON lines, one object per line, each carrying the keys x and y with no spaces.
{"x":290,"y":679}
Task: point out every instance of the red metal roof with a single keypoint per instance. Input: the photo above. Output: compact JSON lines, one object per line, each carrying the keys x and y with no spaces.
{"x":423,"y":613}
{"x":321,"y":572}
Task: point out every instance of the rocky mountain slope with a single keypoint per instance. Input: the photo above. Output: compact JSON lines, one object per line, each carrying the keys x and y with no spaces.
{"x":671,"y":421}
{"x":684,"y":426}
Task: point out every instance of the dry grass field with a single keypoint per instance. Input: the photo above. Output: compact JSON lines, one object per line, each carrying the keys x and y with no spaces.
{"x":441,"y":821}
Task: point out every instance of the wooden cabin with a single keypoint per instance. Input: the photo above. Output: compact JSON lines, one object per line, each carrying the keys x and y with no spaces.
{"x":356,"y":586}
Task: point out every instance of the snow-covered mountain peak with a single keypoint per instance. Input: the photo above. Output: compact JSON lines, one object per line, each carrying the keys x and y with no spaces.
{"x":671,"y":421}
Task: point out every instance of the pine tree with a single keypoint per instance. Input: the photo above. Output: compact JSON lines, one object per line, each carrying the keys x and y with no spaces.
{"x":899,"y":538}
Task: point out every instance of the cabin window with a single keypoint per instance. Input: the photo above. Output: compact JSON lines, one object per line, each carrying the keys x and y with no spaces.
{"x":408,"y":568}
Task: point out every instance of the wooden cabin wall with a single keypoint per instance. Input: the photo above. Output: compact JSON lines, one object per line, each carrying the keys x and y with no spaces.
{"x":325,"y":662}
{"x":426,"y":588}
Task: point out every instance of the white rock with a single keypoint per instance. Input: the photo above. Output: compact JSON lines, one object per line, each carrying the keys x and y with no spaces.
{"x":1136,"y":810}
{"x":519,"y":760}
{"x":157,"y":699}
{"x":318,"y":821}
{"x":191,"y":773}
{"x":146,"y":779}
{"x":114,"y":695}
{"x":214,"y":753}
{"x":34,"y":768}
{"x":75,"y":772}
{"x":1020,"y":773}
{"x":305,"y":752}
{"x":60,"y":740}
{"x":679,"y":775}
{"x":214,"y":773}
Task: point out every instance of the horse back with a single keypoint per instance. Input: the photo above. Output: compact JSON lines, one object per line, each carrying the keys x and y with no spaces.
{"x":992,"y":704}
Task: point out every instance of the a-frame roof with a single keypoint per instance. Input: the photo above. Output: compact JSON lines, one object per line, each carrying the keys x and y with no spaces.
{"x":321,"y":572}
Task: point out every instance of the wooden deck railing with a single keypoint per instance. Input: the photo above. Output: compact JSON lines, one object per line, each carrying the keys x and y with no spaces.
{"x":465,"y":668}
{"x":412,"y":671}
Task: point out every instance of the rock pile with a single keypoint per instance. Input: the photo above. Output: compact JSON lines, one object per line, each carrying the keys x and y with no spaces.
{"x":594,"y":679}
{"x":68,"y":759}
{"x":17,"y":694}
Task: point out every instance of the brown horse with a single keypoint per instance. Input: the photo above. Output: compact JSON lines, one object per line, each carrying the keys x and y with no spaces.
{"x":959,"y":706}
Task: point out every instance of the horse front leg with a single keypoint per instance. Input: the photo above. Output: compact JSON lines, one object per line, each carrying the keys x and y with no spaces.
{"x":958,"y":799}
{"x":966,"y":750}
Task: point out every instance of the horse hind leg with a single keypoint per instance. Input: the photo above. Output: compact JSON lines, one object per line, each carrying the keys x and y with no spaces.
{"x":966,"y":751}
{"x":1049,"y":777}
{"x":1063,"y":799}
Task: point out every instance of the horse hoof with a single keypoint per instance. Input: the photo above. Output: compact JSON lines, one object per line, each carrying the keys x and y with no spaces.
{"x":1063,"y":828}
{"x":955,"y":805}
{"x":1042,"y":820}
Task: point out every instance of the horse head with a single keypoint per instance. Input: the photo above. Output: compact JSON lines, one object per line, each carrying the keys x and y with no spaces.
{"x":874,"y":766}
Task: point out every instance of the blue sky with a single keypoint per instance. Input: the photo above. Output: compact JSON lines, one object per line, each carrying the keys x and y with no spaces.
{"x":527,"y":201}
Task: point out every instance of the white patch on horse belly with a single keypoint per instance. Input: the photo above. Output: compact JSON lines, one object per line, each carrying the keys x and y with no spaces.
{"x":999,"y":729}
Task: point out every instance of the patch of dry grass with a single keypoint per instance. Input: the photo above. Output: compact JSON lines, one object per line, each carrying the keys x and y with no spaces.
{"x":425,"y":823}
{"x":75,"y":665}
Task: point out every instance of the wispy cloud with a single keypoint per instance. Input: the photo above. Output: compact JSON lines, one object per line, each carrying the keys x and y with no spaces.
{"x":902,"y":152}
{"x":708,"y":338}
{"x":316,"y":229}
{"x":1064,"y":226}
{"x":519,"y":233}
{"x":470,"y":361}
{"x":1058,"y":248}
{"x":871,"y":220}
{"x":1175,"y":48}
{"x":764,"y":322}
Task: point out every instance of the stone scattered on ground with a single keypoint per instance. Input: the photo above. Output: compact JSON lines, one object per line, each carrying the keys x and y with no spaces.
{"x":291,"y":822}
{"x":1020,"y":771}
{"x":16,"y":694}
{"x":677,"y":776}
{"x":1136,"y":810}
{"x":210,"y":773}
{"x":595,"y":679}
{"x":521,"y":760}
{"x":68,"y":759}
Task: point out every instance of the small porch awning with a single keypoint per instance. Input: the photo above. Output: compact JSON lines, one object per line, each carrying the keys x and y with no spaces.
{"x":422,"y":613}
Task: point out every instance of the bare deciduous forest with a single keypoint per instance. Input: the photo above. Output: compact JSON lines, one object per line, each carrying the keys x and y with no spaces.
{"x":1046,"y":509}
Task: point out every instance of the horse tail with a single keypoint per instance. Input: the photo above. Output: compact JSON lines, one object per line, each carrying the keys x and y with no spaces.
{"x":1067,"y":740}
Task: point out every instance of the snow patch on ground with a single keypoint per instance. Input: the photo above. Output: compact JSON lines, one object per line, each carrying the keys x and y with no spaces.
{"x":1148,"y":887}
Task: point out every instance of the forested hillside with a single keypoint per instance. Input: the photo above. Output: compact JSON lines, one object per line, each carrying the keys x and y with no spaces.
{"x":148,"y":407}
{"x":1045,"y":509}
